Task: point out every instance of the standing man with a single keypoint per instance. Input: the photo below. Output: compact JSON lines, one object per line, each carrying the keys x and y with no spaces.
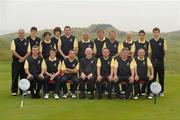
{"x":52,"y":71}
{"x":112,"y":44}
{"x":142,"y":43}
{"x":87,"y":73}
{"x":67,"y":43}
{"x":105,"y":66}
{"x":85,"y":43}
{"x":143,"y":72}
{"x":35,"y":69}
{"x":100,"y":43}
{"x":20,"y":51}
{"x":124,"y":72}
{"x":158,"y":48}
{"x":46,"y":45}
{"x":33,"y":39}
{"x":70,"y":69}
{"x":57,"y":34}
{"x":128,"y":43}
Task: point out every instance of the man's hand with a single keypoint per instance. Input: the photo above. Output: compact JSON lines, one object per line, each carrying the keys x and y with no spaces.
{"x":29,"y":76}
{"x":99,"y":77}
{"x":41,"y":76}
{"x":131,"y":79}
{"x":21,"y":59}
{"x":65,"y":57}
{"x":115,"y":78}
{"x":83,"y":76}
{"x":136,"y":77}
{"x":90,"y":76}
{"x":151,"y":77}
{"x":110,"y":78}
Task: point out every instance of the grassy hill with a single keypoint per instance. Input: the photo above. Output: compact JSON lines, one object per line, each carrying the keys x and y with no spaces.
{"x":172,"y":56}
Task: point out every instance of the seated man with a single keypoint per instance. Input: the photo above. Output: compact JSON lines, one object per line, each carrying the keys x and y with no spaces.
{"x":53,"y":65}
{"x":124,"y":72}
{"x":143,"y":72}
{"x":87,"y":73}
{"x":70,"y":67}
{"x":104,"y":73}
{"x":34,"y":68}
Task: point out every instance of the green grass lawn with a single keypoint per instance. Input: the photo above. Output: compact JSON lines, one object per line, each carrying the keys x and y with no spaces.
{"x":168,"y":108}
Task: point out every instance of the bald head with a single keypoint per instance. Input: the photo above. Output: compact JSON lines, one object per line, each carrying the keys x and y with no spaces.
{"x":88,"y":52}
{"x":129,"y":36}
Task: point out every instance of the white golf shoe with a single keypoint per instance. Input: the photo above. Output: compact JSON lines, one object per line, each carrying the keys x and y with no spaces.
{"x":46,"y":96}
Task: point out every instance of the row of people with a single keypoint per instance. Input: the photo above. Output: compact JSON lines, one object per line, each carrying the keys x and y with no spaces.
{"x":92,"y":72}
{"x":21,"y":48}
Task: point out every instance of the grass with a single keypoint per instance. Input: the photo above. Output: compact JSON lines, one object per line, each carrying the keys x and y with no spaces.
{"x":168,"y":108}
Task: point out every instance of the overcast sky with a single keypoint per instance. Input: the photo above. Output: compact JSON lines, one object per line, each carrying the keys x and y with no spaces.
{"x":124,"y":15}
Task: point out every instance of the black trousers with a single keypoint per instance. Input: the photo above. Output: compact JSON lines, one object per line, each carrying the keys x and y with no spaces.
{"x":74,"y":80}
{"x":35,"y":84}
{"x":16,"y":72}
{"x":145,"y":85}
{"x":100,"y":84}
{"x":160,"y":70}
{"x":127,"y":86}
{"x":57,"y":86}
{"x":89,"y":82}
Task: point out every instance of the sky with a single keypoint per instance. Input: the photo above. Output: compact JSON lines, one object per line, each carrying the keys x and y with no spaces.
{"x":125,"y":15}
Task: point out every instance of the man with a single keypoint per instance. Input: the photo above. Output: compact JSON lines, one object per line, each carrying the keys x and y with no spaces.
{"x":143,"y":72}
{"x":67,"y":42}
{"x":100,"y":43}
{"x":35,"y":68}
{"x":112,"y":44}
{"x":158,"y":48}
{"x":85,"y":43}
{"x":105,"y":66}
{"x":124,"y":72}
{"x":87,"y":73}
{"x":46,"y":45}
{"x":142,"y":43}
{"x":20,"y":49}
{"x":57,"y":34}
{"x":52,"y":71}
{"x":128,"y":43}
{"x":70,"y":68}
{"x":33,"y":39}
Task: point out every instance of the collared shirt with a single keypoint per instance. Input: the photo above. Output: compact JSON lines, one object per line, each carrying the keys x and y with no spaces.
{"x":99,"y":62}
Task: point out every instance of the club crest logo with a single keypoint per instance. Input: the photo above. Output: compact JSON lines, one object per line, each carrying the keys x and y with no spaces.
{"x":73,"y":65}
{"x":160,"y":44}
{"x":39,"y":62}
{"x":91,"y":62}
{"x":89,"y":45}
{"x":70,"y":40}
{"x":55,"y":64}
{"x":36,"y":42}
{"x":108,"y":62}
{"x":25,"y":44}
{"x":127,"y":64}
{"x":115,"y":45}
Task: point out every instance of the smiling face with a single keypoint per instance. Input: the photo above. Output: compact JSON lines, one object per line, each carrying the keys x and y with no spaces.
{"x":112,"y":35}
{"x":124,"y":53}
{"x":72,"y":54}
{"x":35,"y":51}
{"x":86,"y":36}
{"x":105,"y":53}
{"x":141,"y":53}
{"x":100,"y":34}
{"x":21,"y":34}
{"x":67,"y":31}
{"x":52,"y":54}
{"x":33,"y":33}
{"x":88,"y":52}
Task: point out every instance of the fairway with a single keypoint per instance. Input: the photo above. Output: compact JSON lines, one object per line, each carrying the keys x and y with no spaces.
{"x":168,"y":108}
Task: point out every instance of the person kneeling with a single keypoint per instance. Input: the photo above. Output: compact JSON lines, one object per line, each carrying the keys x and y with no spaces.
{"x":124,"y":73}
{"x":104,"y":73}
{"x":143,"y":73}
{"x":53,"y":65}
{"x":34,"y":68}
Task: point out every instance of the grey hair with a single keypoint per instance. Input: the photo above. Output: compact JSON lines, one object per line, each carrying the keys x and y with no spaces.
{"x":21,"y":30}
